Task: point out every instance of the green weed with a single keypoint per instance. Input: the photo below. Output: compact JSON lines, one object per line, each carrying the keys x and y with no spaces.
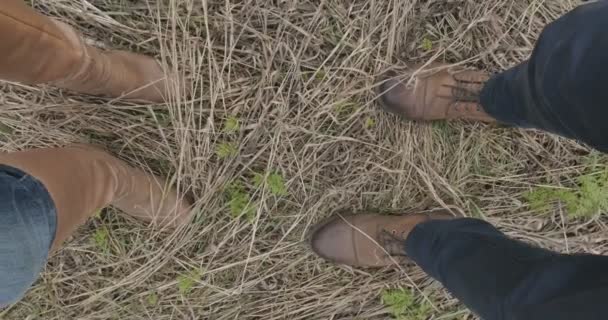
{"x":370,"y":123}
{"x":586,"y":200}
{"x":239,"y":202}
{"x":226,"y":150}
{"x":320,"y":75}
{"x":152,"y":299}
{"x":231,"y":125}
{"x":274,"y":181}
{"x":186,"y":282}
{"x":345,"y":108}
{"x":5,"y":129}
{"x":403,"y":305}
{"x":427,"y":44}
{"x":101,"y":238}
{"x":314,"y":76}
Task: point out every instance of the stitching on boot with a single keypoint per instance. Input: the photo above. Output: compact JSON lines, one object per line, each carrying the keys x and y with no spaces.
{"x":56,"y":37}
{"x":77,"y":44}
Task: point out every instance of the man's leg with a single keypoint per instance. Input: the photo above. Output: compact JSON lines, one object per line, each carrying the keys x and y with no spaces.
{"x":562,"y":88}
{"x":36,"y":49}
{"x":47,"y":193}
{"x":496,"y":277}
{"x":499,"y":278}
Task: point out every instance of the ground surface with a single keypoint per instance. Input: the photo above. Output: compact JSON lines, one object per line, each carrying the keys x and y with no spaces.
{"x":284,"y":89}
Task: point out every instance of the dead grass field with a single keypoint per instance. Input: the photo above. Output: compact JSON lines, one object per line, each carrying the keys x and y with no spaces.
{"x":285,"y":88}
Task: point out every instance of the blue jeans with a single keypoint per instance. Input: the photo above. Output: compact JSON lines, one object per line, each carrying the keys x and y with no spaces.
{"x":563,"y":89}
{"x":27,"y":228}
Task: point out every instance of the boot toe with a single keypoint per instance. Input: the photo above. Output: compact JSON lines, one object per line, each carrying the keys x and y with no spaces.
{"x":395,"y":97}
{"x":333,"y":241}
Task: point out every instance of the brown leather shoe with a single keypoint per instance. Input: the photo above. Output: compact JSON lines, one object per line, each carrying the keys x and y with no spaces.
{"x":368,"y":240}
{"x":436,"y":95}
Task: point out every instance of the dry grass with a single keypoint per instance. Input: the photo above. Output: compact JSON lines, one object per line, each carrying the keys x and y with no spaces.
{"x":299,"y":77}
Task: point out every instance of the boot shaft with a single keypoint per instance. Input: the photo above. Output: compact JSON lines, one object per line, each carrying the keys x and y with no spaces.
{"x":82,"y":180}
{"x":37,"y":49}
{"x":34,"y":48}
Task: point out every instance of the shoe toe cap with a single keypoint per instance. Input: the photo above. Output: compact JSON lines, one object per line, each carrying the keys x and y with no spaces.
{"x":333,"y":241}
{"x":395,"y":97}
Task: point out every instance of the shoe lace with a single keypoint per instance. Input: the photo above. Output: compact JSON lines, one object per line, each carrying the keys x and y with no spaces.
{"x":393,"y":242}
{"x":464,"y":94}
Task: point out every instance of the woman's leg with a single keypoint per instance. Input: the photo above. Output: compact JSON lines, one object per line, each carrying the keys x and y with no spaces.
{"x":48,"y":193}
{"x":28,"y":221}
{"x":36,"y":49}
{"x":82,"y":179}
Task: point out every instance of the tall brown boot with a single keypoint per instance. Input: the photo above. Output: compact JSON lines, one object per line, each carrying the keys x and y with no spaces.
{"x":82,"y":179}
{"x":439,"y":95}
{"x":36,"y":49}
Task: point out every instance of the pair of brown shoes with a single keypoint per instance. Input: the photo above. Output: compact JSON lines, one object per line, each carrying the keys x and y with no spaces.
{"x":369,"y":240}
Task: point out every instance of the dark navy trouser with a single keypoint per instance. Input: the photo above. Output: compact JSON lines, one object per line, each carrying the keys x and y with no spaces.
{"x":503,"y":279}
{"x":563,"y":89}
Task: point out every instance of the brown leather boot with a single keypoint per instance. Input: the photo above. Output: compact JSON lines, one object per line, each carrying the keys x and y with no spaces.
{"x":368,"y":240}
{"x":36,"y":49}
{"x":436,"y":95}
{"x":83,"y":179}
